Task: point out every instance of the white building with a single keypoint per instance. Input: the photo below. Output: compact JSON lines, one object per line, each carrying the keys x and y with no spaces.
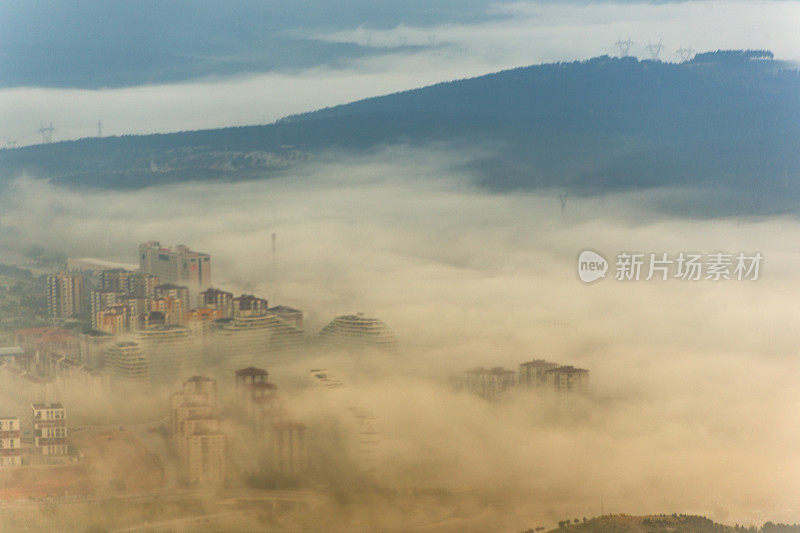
{"x":173,"y":352}
{"x":357,"y":331}
{"x":10,"y":444}
{"x":49,"y":431}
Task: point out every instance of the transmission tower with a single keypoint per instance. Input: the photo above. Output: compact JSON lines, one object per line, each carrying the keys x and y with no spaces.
{"x":654,"y":49}
{"x":686,"y":53}
{"x":46,"y":133}
{"x":624,"y":46}
{"x":563,"y":199}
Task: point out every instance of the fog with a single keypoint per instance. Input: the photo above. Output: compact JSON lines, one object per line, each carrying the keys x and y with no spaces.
{"x":693,"y":406}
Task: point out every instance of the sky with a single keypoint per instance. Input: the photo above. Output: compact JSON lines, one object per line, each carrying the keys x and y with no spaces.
{"x":180,"y":66}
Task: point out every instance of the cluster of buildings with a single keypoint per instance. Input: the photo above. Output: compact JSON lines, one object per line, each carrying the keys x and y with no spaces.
{"x":278,"y":444}
{"x":48,"y":444}
{"x":284,"y":449}
{"x":536,"y":374}
{"x":46,"y":363}
{"x":360,"y":423}
{"x":163,"y":321}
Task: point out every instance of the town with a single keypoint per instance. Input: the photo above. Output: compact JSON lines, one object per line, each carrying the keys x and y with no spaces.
{"x":167,"y":378}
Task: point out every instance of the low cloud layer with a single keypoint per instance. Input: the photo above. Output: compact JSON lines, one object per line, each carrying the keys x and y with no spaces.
{"x":694,"y":384}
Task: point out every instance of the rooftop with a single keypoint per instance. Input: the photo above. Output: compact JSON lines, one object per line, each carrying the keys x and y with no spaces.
{"x":252,"y":371}
{"x":568,"y":370}
{"x":283,"y":309}
{"x":55,"y":405}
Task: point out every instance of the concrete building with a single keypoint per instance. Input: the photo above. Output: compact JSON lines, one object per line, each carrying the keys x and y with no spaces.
{"x":47,"y":340}
{"x":92,"y":348}
{"x":49,"y":431}
{"x":175,"y":292}
{"x":200,"y":320}
{"x":65,"y":295}
{"x":245,"y":340}
{"x":258,"y":398}
{"x":127,"y":364}
{"x":200,"y":389}
{"x":115,"y":320}
{"x":141,"y":284}
{"x":568,"y":379}
{"x":114,"y":280}
{"x":10,"y":443}
{"x":173,"y":352}
{"x":489,"y":382}
{"x":201,"y":445}
{"x":534,"y":373}
{"x":289,"y":315}
{"x":357,"y":331}
{"x":217,"y":299}
{"x":288,"y":447}
{"x":177,"y":264}
{"x":206,"y":455}
{"x":248,"y":305}
{"x":172,"y":309}
{"x":102,"y":299}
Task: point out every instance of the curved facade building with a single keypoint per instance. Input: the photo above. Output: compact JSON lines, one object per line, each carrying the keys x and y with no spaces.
{"x":356,"y":331}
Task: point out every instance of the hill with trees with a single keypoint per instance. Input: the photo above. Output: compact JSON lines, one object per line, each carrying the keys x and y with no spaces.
{"x":727,"y":122}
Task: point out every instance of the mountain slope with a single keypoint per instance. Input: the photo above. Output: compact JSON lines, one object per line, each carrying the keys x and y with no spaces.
{"x":725,"y":121}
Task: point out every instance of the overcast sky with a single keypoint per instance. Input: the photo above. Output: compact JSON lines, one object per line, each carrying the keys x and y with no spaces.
{"x":144,"y":67}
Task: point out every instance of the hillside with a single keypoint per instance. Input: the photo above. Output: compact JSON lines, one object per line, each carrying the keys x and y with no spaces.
{"x":675,"y":523}
{"x":729,"y":121}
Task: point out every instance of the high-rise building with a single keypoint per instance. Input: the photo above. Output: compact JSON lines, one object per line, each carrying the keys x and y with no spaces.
{"x":201,"y":389}
{"x":172,"y":309}
{"x":288,"y":447}
{"x":114,"y":280}
{"x":93,"y":345}
{"x":127,"y":364}
{"x":200,"y":320}
{"x":249,"y":305}
{"x":102,"y":299}
{"x":489,"y":382}
{"x":201,"y":445}
{"x":289,"y":315}
{"x":206,"y":453}
{"x":176,"y":292}
{"x":568,"y":379}
{"x":115,"y":320}
{"x":258,"y":398}
{"x":10,"y":444}
{"x":247,"y":340}
{"x":217,"y":299}
{"x":356,"y":331}
{"x":534,"y":373}
{"x":141,"y":284}
{"x":49,"y":430}
{"x":176,"y":264}
{"x":65,"y":295}
{"x":173,"y":352}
